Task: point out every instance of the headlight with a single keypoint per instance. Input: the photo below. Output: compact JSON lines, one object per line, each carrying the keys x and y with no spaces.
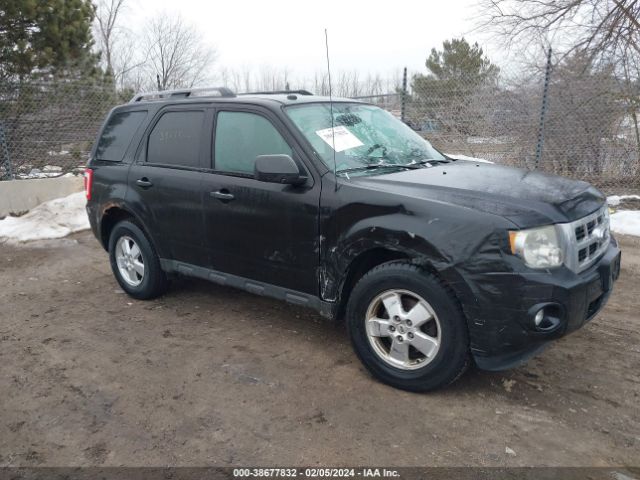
{"x":538,"y":247}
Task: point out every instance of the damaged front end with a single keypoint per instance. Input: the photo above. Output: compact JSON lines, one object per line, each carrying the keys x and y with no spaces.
{"x":463,"y":237}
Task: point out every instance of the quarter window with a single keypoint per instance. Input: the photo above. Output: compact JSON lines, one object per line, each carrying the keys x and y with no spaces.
{"x":117,"y":135}
{"x":241,"y":137}
{"x":175,"y":140}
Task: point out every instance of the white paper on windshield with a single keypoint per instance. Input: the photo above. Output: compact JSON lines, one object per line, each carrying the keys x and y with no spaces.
{"x":344,"y":139}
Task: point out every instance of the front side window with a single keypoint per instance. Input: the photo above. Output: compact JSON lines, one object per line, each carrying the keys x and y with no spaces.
{"x":176,"y":138}
{"x":117,"y":135}
{"x":241,"y":137}
{"x":362,"y":136}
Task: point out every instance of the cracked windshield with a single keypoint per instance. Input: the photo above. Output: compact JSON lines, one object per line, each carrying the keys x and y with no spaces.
{"x":365,"y":138}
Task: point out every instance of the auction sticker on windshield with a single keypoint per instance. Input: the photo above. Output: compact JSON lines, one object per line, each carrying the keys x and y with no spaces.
{"x":343,"y":140}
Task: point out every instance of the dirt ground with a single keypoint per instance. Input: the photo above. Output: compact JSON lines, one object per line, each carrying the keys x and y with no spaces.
{"x":207,"y":375}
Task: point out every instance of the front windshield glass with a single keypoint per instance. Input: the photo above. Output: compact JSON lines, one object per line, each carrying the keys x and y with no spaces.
{"x":364,"y":136}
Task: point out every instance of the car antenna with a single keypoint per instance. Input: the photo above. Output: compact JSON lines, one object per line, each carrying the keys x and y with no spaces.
{"x":333,"y":132}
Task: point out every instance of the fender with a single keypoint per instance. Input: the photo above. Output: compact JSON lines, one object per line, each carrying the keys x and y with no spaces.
{"x":399,"y":244}
{"x":453,"y":242}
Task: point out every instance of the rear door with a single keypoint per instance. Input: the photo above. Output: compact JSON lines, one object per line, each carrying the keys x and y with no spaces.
{"x":262,"y":231}
{"x":165,"y":181}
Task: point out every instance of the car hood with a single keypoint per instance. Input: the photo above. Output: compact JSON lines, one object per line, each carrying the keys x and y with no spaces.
{"x":527,"y":198}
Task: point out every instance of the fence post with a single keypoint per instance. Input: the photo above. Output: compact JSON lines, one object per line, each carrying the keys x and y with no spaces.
{"x":543,"y":110}
{"x":5,"y":163}
{"x":403,"y":104}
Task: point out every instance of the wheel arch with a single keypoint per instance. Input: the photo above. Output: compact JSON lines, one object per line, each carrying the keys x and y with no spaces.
{"x":115,"y":214}
{"x":374,"y":257}
{"x":359,"y":266}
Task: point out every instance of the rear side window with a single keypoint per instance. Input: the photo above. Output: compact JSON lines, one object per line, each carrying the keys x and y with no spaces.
{"x":241,"y":137}
{"x":117,"y":135}
{"x":175,"y":140}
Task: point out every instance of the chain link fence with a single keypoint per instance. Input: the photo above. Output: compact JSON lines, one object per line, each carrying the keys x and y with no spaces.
{"x":48,"y":128}
{"x":588,"y":129}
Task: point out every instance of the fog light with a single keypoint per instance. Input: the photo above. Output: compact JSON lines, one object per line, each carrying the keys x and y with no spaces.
{"x":539,"y":317}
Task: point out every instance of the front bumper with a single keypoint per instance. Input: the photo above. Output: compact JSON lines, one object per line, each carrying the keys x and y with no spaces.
{"x":503,"y":333}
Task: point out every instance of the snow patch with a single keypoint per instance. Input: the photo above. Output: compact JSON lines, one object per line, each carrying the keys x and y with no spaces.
{"x":36,"y":173}
{"x":457,"y":156}
{"x":626,"y":222}
{"x":614,"y":200}
{"x":53,"y":219}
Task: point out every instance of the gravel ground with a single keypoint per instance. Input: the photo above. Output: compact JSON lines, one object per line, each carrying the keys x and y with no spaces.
{"x":207,"y":375}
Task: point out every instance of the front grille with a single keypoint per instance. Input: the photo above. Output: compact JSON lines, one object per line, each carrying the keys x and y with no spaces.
{"x":582,"y":254}
{"x":586,"y":239}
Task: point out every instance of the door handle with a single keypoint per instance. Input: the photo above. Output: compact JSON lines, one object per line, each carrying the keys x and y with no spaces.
{"x":222,"y":195}
{"x":144,"y":182}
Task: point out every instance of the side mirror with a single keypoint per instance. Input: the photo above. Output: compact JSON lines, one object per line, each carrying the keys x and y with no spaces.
{"x":278,"y":169}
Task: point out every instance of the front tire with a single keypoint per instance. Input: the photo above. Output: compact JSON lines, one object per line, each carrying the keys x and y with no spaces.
{"x":135,"y":263}
{"x":407,"y":328}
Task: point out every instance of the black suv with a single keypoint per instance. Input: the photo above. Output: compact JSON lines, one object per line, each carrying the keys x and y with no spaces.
{"x":341,"y":207}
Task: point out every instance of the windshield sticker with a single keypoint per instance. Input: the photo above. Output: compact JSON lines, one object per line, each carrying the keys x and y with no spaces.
{"x":344,"y":139}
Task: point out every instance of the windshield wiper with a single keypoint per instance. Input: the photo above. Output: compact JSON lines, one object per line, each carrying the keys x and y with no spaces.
{"x":432,"y":161}
{"x":373,"y":166}
{"x":422,"y":164}
{"x":408,"y":166}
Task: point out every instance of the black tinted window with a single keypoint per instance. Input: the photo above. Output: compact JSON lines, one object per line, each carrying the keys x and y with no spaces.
{"x":117,"y":135}
{"x":175,"y":140}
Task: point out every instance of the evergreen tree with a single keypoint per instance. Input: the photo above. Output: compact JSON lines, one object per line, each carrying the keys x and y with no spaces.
{"x":461,"y":62}
{"x":456,"y":74}
{"x":46,"y":37}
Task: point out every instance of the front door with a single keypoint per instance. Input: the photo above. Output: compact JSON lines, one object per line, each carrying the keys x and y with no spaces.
{"x":262,"y":231}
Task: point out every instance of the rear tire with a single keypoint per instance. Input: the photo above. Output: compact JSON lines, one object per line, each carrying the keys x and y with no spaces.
{"x":407,"y":328}
{"x":135,"y":263}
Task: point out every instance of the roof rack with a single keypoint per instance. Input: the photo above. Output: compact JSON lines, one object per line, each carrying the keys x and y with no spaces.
{"x":279,"y":92}
{"x":183,"y":93}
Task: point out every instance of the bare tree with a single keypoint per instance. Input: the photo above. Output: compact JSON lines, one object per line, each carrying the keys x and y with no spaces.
{"x":177,"y":55}
{"x":601,"y":28}
{"x":128,"y":63}
{"x":107,"y":13}
{"x":120,"y":55}
{"x":630,"y":79}
{"x":604,"y":35}
{"x":272,"y":78}
{"x":347,"y":83}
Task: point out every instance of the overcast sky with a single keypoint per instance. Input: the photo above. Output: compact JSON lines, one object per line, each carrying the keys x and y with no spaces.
{"x":370,"y":36}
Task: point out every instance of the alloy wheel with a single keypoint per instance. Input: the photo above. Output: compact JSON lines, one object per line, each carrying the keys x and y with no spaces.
{"x":130,"y":261}
{"x":403,"y":329}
